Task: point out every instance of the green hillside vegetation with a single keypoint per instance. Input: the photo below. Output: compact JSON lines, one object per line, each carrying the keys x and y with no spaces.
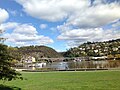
{"x":108,"y":48}
{"x":34,"y":51}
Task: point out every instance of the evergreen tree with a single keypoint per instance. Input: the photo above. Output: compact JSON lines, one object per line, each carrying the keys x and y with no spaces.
{"x":7,"y":73}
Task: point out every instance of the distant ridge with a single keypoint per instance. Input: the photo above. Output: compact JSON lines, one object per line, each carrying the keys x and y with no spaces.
{"x":35,"y":51}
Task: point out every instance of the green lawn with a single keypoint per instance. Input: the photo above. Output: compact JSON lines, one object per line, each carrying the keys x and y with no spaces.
{"x":99,"y":80}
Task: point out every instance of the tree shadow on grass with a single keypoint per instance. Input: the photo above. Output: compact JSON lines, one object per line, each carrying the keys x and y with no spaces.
{"x":4,"y":87}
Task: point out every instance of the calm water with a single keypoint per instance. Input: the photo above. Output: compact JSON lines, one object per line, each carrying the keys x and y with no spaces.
{"x":74,"y":65}
{"x":84,"y":64}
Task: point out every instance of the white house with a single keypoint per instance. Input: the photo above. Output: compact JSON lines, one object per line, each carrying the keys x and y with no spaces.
{"x":28,"y":59}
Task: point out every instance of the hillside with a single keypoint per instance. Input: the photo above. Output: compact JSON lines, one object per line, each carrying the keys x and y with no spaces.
{"x":35,"y":51}
{"x":106,"y":48}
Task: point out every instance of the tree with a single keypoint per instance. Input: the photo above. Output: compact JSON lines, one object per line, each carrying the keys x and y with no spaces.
{"x":7,"y":73}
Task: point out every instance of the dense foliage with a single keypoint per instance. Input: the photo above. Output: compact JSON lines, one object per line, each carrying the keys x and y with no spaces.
{"x":6,"y":71}
{"x":34,"y":51}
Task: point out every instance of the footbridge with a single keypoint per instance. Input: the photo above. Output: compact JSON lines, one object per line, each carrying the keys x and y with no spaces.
{"x":64,"y":59}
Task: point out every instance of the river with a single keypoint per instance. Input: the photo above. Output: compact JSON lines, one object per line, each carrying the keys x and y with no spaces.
{"x":73,"y":65}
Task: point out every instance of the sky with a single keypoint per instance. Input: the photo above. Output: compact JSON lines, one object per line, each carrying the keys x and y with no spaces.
{"x":59,"y":24}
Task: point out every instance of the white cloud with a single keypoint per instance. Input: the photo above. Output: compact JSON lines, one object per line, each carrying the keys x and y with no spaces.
{"x":24,"y":35}
{"x":52,"y":10}
{"x":43,"y":26}
{"x":8,"y":25}
{"x":82,"y":20}
{"x":95,"y":16}
{"x":77,"y":36}
{"x":26,"y":40}
{"x":78,"y":12}
{"x":25,"y":29}
{"x":86,"y":25}
{"x":3,"y":15}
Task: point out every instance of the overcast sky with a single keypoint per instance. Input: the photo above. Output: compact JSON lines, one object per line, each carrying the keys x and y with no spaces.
{"x":59,"y":24}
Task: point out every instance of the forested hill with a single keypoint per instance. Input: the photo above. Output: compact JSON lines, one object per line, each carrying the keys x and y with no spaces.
{"x":105,"y":48}
{"x":35,"y":51}
{"x":41,"y":51}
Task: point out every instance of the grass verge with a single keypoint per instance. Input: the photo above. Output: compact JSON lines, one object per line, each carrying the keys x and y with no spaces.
{"x":104,"y":80}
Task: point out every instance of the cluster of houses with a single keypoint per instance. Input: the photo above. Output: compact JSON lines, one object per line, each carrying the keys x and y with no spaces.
{"x":31,"y":62}
{"x":100,"y":49}
{"x":28,"y":59}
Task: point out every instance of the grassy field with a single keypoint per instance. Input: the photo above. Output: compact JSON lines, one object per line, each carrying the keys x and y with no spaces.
{"x":99,"y":80}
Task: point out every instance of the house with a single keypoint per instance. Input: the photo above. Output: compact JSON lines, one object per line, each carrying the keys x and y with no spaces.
{"x":102,"y":57}
{"x":28,"y":59}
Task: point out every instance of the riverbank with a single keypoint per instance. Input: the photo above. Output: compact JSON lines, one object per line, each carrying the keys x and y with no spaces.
{"x":80,"y":69}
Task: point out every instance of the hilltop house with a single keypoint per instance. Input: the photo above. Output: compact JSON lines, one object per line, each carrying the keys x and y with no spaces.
{"x":28,"y":59}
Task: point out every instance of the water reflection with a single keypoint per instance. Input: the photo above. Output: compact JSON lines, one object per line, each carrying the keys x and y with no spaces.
{"x":58,"y":65}
{"x":83,"y":64}
{"x":74,"y":65}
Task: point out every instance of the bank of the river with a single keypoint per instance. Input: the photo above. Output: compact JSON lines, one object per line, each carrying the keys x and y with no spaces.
{"x":78,"y":69}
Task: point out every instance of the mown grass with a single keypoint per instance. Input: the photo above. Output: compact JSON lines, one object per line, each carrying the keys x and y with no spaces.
{"x":99,"y":80}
